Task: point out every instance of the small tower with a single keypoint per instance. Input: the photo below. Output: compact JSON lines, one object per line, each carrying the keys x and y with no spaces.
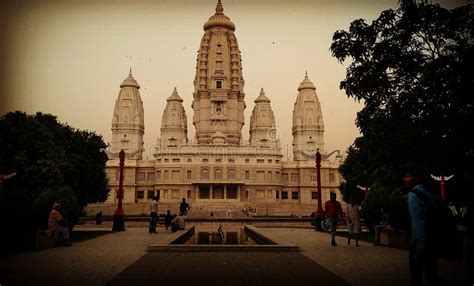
{"x":263,"y":131}
{"x":128,"y":124}
{"x":174,"y":123}
{"x":308,"y":124}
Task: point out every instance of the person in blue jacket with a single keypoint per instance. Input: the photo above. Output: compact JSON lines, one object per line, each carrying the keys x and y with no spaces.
{"x":421,"y":253}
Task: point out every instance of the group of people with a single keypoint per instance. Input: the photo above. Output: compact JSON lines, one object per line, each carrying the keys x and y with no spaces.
{"x":333,"y":212}
{"x":422,"y":251}
{"x":174,"y":222}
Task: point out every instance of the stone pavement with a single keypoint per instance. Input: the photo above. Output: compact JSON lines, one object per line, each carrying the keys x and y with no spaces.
{"x":99,"y":260}
{"x":226,"y":268}
{"x":364,"y":265}
{"x":91,"y":262}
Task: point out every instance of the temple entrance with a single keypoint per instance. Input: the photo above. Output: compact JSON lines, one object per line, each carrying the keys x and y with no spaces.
{"x":218,"y":191}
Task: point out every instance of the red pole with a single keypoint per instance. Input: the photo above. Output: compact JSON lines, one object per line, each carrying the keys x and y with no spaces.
{"x":119,"y":211}
{"x":442,"y":184}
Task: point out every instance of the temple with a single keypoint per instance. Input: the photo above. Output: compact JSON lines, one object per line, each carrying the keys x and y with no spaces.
{"x":216,"y":171}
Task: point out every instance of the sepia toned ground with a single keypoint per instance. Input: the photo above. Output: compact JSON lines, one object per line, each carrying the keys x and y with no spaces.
{"x":121,"y":258}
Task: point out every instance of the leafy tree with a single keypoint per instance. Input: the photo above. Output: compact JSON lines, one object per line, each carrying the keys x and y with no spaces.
{"x":410,"y":68}
{"x":53,"y":161}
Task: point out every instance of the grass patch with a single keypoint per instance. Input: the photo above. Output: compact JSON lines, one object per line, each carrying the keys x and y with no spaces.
{"x":80,"y":236}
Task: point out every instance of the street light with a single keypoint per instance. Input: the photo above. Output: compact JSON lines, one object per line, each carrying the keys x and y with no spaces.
{"x":119,"y":215}
{"x":5,"y":177}
{"x":442,"y":182}
{"x":318,"y":157}
{"x":365,"y":189}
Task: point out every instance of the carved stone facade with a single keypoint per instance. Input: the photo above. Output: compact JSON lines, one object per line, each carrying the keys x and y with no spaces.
{"x":128,"y":124}
{"x":217,"y":172}
{"x":308,"y":124}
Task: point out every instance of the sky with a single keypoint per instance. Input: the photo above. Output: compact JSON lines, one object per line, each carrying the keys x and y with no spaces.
{"x":69,"y":57}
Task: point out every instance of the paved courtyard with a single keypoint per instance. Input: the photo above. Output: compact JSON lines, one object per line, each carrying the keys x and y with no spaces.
{"x":109,"y":257}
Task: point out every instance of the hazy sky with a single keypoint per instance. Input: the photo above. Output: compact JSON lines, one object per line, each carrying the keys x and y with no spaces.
{"x":69,"y":57}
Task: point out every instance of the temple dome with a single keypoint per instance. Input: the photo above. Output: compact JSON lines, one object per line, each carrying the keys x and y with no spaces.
{"x":174,"y":96}
{"x":130,"y":81}
{"x":262,"y":97}
{"x":306,"y":83}
{"x":219,"y":19}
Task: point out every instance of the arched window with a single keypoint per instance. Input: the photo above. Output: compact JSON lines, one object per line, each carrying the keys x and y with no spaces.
{"x":204,"y":173}
{"x":218,"y":174}
{"x":231,"y":174}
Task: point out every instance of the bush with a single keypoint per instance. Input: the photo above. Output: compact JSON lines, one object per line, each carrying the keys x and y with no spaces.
{"x":69,"y":206}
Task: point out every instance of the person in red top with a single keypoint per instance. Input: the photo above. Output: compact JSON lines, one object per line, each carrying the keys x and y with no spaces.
{"x":333,"y":211}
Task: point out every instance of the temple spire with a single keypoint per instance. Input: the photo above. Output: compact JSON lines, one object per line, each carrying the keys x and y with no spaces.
{"x":219,"y":7}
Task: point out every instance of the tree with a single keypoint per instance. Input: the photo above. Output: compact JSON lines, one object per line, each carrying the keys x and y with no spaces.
{"x":52,"y":161}
{"x":410,"y":68}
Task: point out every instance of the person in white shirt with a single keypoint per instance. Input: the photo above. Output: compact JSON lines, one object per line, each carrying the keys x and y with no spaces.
{"x":153,"y":215}
{"x":353,"y":221}
{"x":453,"y":209}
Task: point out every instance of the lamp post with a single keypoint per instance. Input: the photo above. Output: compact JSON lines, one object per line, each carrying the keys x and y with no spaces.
{"x":5,"y":177}
{"x":119,"y":215}
{"x":442,"y":184}
{"x":320,"y":216}
{"x":365,"y":189}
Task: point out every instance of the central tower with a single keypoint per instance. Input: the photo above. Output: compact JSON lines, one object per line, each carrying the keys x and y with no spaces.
{"x":218,"y":85}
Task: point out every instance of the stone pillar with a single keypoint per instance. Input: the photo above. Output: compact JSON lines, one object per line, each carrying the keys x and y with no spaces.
{"x":210,"y":193}
{"x":225,"y":192}
{"x":197,"y":192}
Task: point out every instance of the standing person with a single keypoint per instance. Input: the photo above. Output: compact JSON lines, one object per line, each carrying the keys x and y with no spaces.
{"x":333,"y":211}
{"x":353,"y":221}
{"x":183,"y":207}
{"x":468,"y":245}
{"x":168,"y":219}
{"x":57,"y":226}
{"x":153,"y":215}
{"x":421,"y":247}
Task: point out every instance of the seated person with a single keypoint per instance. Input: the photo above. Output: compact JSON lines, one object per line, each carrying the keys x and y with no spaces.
{"x":178,"y":223}
{"x":168,"y":219}
{"x":57,"y":227}
{"x":383,"y":224}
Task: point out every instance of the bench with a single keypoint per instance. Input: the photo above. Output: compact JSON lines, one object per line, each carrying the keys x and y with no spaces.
{"x":396,"y":239}
{"x":43,"y":241}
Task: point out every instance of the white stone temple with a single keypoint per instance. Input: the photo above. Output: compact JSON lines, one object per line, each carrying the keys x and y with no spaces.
{"x":217,"y":172}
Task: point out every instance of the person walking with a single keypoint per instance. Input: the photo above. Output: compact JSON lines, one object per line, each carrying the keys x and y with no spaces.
{"x":353,"y":221}
{"x":183,"y":207}
{"x":153,"y":215}
{"x":421,"y":253}
{"x":333,"y":211}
